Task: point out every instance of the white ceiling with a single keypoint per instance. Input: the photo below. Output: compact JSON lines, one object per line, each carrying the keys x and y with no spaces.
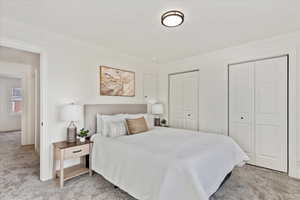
{"x":133,"y":27}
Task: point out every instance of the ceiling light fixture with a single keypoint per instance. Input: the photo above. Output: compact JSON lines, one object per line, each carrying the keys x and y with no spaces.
{"x":172,"y":18}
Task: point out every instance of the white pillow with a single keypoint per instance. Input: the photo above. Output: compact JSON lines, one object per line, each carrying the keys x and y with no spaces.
{"x":98,"y":124}
{"x":150,"y":121}
{"x":104,"y":124}
{"x":117,"y":128}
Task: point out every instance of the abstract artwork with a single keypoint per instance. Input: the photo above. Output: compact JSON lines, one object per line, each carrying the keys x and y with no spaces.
{"x":116,"y":82}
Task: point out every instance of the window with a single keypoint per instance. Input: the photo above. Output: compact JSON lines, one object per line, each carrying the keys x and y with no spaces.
{"x":16,"y":100}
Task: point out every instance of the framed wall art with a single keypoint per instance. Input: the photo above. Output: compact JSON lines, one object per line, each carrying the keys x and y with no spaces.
{"x":116,"y":82}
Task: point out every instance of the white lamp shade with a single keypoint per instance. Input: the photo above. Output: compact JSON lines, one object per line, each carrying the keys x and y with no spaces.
{"x":157,"y":109}
{"x":71,"y":112}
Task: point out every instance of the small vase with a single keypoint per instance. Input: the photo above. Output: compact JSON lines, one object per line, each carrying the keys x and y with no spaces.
{"x":82,"y":139}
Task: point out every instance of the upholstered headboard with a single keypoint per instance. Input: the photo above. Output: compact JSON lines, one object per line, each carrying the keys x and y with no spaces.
{"x":91,"y":110}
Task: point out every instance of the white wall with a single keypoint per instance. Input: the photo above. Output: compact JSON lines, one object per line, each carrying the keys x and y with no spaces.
{"x":72,"y":74}
{"x":8,"y":120}
{"x":213,"y":84}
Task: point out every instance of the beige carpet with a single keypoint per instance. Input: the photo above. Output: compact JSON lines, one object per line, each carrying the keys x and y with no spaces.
{"x":19,"y":170}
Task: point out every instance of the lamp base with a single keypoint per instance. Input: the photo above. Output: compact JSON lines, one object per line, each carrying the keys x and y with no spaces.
{"x":156,"y":121}
{"x":72,"y":133}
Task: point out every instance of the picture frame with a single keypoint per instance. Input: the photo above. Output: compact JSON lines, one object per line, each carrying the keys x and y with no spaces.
{"x":116,"y":82}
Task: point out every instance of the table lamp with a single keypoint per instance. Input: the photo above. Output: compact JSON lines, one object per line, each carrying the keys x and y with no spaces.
{"x":157,"y":110}
{"x":71,"y":113}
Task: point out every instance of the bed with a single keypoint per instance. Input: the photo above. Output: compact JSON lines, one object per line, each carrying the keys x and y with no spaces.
{"x":166,"y":163}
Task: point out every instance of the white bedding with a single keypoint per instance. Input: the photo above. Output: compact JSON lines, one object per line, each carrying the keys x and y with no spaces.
{"x":167,"y":163}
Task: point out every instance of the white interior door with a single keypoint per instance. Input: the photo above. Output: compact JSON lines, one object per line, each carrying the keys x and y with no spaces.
{"x":183,"y":100}
{"x":258,"y":111}
{"x":241,"y":108}
{"x":271,"y":113}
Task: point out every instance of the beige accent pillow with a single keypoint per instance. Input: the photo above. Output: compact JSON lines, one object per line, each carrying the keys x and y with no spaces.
{"x":135,"y":126}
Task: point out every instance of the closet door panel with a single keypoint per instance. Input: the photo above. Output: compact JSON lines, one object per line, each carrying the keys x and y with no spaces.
{"x":242,"y":134}
{"x":190,"y":93}
{"x":271,"y":113}
{"x":241,"y":109}
{"x":184,"y":100}
{"x":176,"y":103}
{"x":267,"y":153}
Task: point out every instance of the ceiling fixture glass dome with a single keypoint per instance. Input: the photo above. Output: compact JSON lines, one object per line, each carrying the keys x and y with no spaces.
{"x":172,"y":18}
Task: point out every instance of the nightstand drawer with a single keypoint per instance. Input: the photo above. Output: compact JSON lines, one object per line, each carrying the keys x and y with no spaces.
{"x":76,"y":152}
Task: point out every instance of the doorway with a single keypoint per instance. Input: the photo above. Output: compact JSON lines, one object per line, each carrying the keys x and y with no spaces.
{"x":21,"y":101}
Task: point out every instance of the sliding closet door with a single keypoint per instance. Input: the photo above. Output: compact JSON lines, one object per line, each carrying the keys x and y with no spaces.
{"x":271,"y":113}
{"x":241,"y":107}
{"x":258,"y":111}
{"x":183,"y":100}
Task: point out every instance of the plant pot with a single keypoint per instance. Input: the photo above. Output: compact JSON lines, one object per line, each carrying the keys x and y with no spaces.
{"x":82,"y":139}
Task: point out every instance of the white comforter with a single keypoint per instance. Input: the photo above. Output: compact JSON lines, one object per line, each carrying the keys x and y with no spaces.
{"x":167,"y":163}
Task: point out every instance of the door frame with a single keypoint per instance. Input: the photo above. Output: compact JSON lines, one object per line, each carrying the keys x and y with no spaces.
{"x":288,"y":98}
{"x":45,"y":164}
{"x":169,"y":83}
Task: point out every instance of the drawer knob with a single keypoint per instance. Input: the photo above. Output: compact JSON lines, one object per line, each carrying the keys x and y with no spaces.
{"x":77,"y":151}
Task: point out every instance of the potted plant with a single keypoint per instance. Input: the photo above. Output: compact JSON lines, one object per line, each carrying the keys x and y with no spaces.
{"x":83,"y":134}
{"x":163,"y":122}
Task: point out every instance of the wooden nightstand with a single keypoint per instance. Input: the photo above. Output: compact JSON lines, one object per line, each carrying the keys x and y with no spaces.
{"x":65,"y":151}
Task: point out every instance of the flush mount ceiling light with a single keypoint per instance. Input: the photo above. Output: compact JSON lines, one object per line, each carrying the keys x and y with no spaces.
{"x":172,"y":18}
